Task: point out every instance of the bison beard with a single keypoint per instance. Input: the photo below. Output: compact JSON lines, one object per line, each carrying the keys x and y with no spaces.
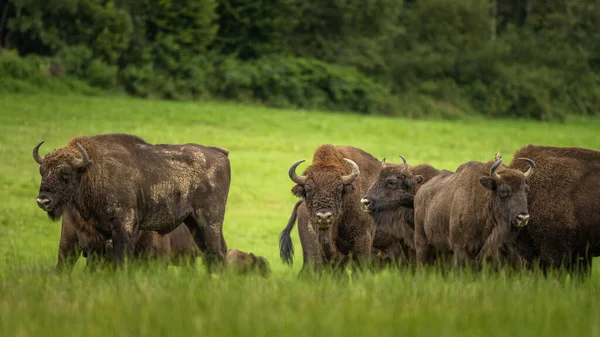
{"x":471,"y":213}
{"x":123,"y":185}
{"x":564,"y":205}
{"x":331,"y":189}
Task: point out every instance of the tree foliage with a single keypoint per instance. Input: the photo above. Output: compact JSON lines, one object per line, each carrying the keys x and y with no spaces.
{"x":513,"y":58}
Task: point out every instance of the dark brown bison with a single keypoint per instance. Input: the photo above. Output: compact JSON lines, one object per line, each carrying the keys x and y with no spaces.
{"x":331,"y":189}
{"x":244,"y":263}
{"x":122,"y":184}
{"x":474,"y":213}
{"x":78,"y":237}
{"x":564,"y":206}
{"x":390,"y":202}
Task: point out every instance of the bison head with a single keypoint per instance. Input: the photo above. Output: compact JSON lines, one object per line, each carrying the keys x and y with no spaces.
{"x":395,"y":187}
{"x":323,"y":189}
{"x":61,"y":172}
{"x":509,"y":192}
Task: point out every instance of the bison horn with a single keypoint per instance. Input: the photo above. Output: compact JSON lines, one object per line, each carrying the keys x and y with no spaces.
{"x":349,"y":179}
{"x":531,"y":167}
{"x":493,"y":169}
{"x":403,"y":159}
{"x":300,"y":180}
{"x":36,"y":155}
{"x":85,"y":160}
{"x":383,"y":164}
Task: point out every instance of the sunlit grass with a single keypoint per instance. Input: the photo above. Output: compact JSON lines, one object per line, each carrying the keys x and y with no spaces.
{"x":263,"y":143}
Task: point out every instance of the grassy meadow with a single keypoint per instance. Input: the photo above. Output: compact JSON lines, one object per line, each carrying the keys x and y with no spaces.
{"x":263,"y":143}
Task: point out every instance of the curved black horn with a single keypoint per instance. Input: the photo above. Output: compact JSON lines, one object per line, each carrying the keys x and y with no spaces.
{"x":300,"y":180}
{"x":349,"y":179}
{"x":403,"y":159}
{"x":531,"y":167}
{"x":85,"y":159}
{"x":36,"y":155}
{"x":493,"y":169}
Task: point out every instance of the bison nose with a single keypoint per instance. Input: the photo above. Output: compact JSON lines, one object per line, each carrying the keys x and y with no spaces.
{"x":365,"y":201}
{"x":324,"y":216}
{"x":43,"y":202}
{"x":522,"y":219}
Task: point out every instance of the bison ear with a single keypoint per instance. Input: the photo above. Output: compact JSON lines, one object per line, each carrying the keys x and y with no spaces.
{"x":488,"y":183}
{"x":418,"y":179}
{"x":347,"y":189}
{"x":298,"y":191}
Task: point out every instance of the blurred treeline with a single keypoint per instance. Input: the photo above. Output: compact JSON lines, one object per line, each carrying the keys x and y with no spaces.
{"x":498,"y":58}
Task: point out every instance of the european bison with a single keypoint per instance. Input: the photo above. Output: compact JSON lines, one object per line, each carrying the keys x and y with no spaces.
{"x":390,"y":202}
{"x":564,"y":206}
{"x":244,"y":263}
{"x":78,"y":237}
{"x":122,"y":184}
{"x":473,"y":213}
{"x":331,"y":189}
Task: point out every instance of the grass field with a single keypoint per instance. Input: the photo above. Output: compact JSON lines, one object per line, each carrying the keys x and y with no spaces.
{"x":263,"y":143}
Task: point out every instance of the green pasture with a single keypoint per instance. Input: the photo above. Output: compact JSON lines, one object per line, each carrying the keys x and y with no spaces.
{"x":263,"y":143}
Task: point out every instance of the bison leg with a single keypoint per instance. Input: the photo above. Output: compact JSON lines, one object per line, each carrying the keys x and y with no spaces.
{"x":424,"y":251}
{"x":122,"y":232}
{"x":68,"y":248}
{"x":361,"y":250}
{"x":208,"y":234}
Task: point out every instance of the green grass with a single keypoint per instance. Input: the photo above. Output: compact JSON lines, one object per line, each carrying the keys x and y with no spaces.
{"x":263,"y":143}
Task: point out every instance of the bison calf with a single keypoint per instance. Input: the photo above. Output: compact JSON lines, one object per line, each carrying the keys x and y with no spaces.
{"x":473,"y":213}
{"x":79,"y":237}
{"x":122,"y":184}
{"x":243,"y":263}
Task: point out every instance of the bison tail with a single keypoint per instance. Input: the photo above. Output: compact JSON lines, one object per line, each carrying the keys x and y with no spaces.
{"x":286,"y":247}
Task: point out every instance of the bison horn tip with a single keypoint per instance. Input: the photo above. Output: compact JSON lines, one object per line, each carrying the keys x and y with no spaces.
{"x":493,"y":173}
{"x":36,"y":155}
{"x":300,"y":180}
{"x":403,"y":160}
{"x":349,"y":179}
{"x":531,"y":166}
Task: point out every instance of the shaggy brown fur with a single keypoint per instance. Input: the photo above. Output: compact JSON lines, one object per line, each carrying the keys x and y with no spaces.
{"x":333,"y":208}
{"x":121,"y":185}
{"x":470,"y":214}
{"x":243,"y":263}
{"x":390,"y":202}
{"x":564,"y":203}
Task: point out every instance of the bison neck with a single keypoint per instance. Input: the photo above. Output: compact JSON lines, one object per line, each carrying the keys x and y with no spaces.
{"x":397,"y":223}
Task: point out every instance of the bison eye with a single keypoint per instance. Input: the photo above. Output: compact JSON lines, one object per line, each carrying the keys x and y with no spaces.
{"x":391,"y":184}
{"x":65,"y":175}
{"x":504,"y":192}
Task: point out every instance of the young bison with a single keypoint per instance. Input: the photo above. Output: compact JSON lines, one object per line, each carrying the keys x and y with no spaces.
{"x":390,"y":202}
{"x":243,"y":263}
{"x":79,"y":237}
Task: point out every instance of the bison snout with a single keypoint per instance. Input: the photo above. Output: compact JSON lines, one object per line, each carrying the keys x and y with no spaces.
{"x":522,"y":219}
{"x":324,"y":217}
{"x":44,"y":202}
{"x":366,"y":204}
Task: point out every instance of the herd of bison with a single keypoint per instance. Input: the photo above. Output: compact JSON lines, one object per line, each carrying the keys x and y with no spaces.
{"x":120,"y":197}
